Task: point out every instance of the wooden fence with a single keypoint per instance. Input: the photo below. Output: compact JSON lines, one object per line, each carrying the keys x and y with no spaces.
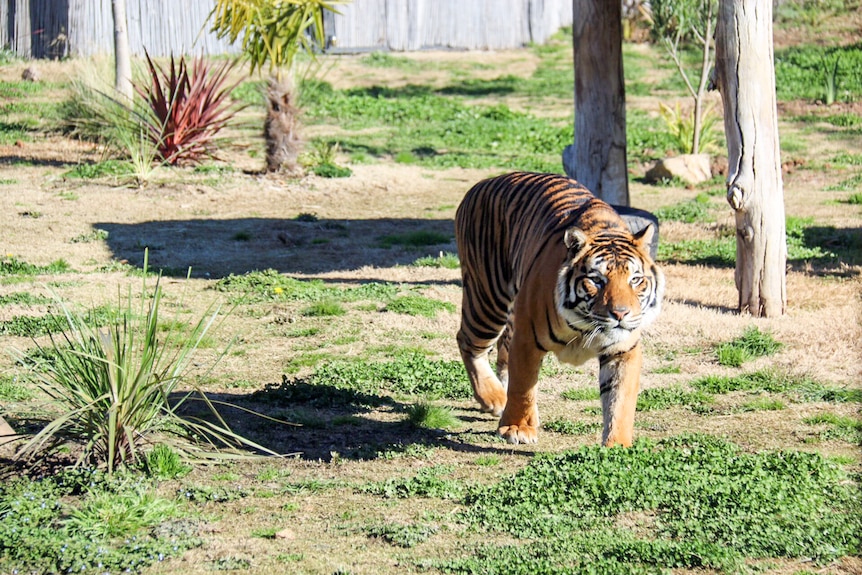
{"x":60,"y":28}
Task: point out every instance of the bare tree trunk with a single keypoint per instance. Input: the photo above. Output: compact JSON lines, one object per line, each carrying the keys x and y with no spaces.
{"x":745,"y":75}
{"x":122,"y":57}
{"x":598,"y":157}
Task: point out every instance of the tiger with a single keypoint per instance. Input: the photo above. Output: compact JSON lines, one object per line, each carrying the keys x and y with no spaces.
{"x":548,"y":267}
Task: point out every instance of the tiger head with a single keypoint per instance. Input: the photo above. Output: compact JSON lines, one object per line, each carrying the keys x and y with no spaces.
{"x":608,"y":288}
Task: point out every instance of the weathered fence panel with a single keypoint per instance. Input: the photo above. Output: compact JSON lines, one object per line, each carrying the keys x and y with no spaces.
{"x":59,"y":28}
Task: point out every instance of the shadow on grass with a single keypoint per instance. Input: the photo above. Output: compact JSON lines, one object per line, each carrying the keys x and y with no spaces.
{"x":218,"y":248}
{"x":320,"y":422}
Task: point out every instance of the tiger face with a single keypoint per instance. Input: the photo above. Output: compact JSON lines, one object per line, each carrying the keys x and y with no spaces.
{"x":608,"y":288}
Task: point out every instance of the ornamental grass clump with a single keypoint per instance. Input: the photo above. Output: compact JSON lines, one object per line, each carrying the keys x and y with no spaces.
{"x":122,"y":389}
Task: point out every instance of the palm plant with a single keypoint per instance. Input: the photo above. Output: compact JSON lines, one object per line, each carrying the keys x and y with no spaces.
{"x":274,"y":32}
{"x":119,"y":389}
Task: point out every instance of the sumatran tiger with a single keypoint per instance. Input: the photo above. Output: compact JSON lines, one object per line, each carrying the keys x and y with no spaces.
{"x":547,"y":266}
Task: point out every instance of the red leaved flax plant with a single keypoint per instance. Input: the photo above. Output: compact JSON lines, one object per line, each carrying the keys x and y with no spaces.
{"x":189,"y":107}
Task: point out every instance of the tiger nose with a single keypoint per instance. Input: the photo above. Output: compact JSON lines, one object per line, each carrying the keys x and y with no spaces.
{"x":619,"y":312}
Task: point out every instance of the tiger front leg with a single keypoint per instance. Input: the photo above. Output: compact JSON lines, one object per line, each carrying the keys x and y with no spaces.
{"x":520,"y":420}
{"x":619,"y":384}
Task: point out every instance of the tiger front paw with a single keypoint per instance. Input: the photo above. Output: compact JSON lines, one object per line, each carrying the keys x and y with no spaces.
{"x":515,"y":434}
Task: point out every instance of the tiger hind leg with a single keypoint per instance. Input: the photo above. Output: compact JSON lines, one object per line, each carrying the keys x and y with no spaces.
{"x":487,"y":388}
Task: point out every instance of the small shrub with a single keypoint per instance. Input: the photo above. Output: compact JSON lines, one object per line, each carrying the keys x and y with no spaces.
{"x":112,"y":386}
{"x":189,"y":106}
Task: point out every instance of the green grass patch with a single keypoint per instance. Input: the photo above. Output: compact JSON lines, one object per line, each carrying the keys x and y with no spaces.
{"x":54,"y":323}
{"x":417,"y":239}
{"x":799,"y":388}
{"x":428,"y":482}
{"x":271,"y":286}
{"x":569,"y":427}
{"x":24,"y":298}
{"x":805,"y":72}
{"x":13,"y":389}
{"x":409,"y":373}
{"x":81,"y":522}
{"x":667,"y":397}
{"x":446,"y":260}
{"x":405,"y":536}
{"x":431,"y":416}
{"x":324,"y":308}
{"x":691,"y":211}
{"x":750,"y":345}
{"x":12,"y":266}
{"x":763,"y":404}
{"x":418,"y":305}
{"x":112,"y":168}
{"x":702,"y":502}
{"x":719,"y":252}
{"x":582,"y":394}
{"x":840,"y":427}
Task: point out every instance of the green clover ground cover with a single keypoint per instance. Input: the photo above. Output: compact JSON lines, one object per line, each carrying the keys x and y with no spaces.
{"x":697,"y":502}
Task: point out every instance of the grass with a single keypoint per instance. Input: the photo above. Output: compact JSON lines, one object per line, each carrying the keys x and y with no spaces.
{"x":568,"y":427}
{"x":417,"y":239}
{"x":12,"y":266}
{"x":109,"y":529}
{"x":431,"y":416}
{"x":691,"y":211}
{"x":800,"y":388}
{"x":446,"y":260}
{"x":703,"y":503}
{"x":417,"y":305}
{"x":750,"y":345}
{"x":270,"y":286}
{"x":664,"y":398}
{"x":409,"y":373}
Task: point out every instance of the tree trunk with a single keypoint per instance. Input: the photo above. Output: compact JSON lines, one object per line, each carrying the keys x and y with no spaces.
{"x":598,"y":157}
{"x":281,"y":126}
{"x":745,"y":75}
{"x":122,"y":57}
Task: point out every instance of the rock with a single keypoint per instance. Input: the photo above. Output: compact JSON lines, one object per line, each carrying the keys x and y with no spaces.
{"x":31,"y":74}
{"x":690,"y":168}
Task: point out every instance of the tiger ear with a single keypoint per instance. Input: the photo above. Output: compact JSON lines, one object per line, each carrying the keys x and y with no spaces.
{"x":644,"y":237}
{"x":577,"y":242}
